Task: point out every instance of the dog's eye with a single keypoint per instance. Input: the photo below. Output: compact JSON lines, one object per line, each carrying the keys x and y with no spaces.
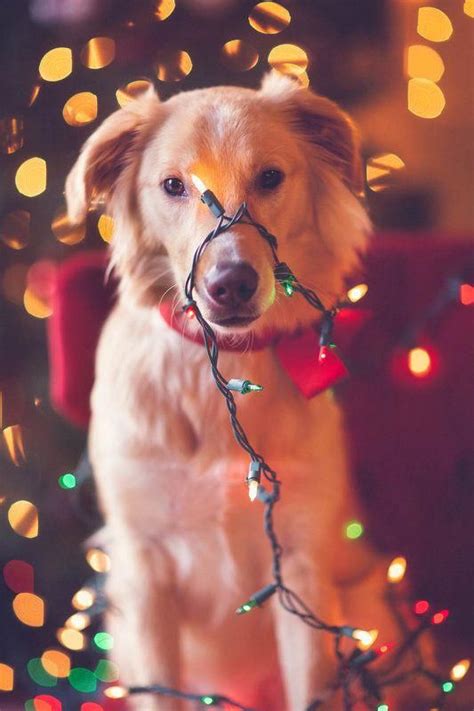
{"x":174,"y":186}
{"x":270,"y":179}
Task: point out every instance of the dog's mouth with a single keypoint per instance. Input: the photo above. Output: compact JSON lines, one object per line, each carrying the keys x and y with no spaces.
{"x":235,"y":321}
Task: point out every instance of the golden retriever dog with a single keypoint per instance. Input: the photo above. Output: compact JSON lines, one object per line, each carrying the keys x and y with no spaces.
{"x":186,"y":545}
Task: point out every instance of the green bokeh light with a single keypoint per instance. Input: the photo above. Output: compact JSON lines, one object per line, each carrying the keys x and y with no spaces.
{"x":447,"y":687}
{"x":106,"y":671}
{"x":104,"y":641}
{"x":67,"y":481}
{"x":39,"y":674}
{"x":382,"y":707}
{"x":82,"y":680}
{"x":353,"y":530}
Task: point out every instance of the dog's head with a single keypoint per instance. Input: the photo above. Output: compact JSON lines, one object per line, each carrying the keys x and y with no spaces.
{"x":291,"y":155}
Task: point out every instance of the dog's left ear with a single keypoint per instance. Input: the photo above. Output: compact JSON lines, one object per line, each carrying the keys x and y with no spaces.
{"x":321,"y":122}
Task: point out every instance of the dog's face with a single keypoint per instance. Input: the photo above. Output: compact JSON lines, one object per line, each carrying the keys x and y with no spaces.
{"x":289,"y":154}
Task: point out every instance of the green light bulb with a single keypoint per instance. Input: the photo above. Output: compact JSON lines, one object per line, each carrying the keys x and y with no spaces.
{"x":382,"y":707}
{"x":288,"y":285}
{"x":67,"y":481}
{"x":246,"y":607}
{"x":207,"y":700}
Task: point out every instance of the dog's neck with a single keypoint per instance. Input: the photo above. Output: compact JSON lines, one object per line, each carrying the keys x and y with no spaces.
{"x":299,"y":352}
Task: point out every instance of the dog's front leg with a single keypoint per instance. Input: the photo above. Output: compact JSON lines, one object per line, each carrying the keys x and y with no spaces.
{"x":307,"y":656}
{"x":143,"y":618}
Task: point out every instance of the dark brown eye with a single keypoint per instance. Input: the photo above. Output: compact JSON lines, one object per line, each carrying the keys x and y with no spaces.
{"x":174,"y":187}
{"x":270,"y":179}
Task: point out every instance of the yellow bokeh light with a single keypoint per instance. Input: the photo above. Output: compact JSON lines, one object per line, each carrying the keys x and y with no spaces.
{"x":35,"y":306}
{"x":419,"y":362}
{"x":31,"y":177}
{"x":131,"y":91}
{"x":469,"y":8}
{"x":13,"y":438}
{"x":357,"y":292}
{"x":64,"y":231}
{"x":106,"y":226}
{"x":460,"y":670}
{"x":269,"y":18}
{"x":23,"y":518}
{"x":98,"y":53}
{"x":13,"y":282}
{"x":425,"y":98}
{"x":98,"y":560}
{"x":71,"y":639}
{"x":381,"y":167}
{"x":284,"y":56}
{"x":56,"y":663}
{"x":78,"y":621}
{"x":434,"y":24}
{"x":15,"y":229}
{"x":80,"y":109}
{"x":164,"y":8}
{"x":397,"y":569}
{"x":83,"y":599}
{"x":239,"y":55}
{"x":424,"y":62}
{"x":115,"y":692}
{"x":56,"y":64}
{"x":7,"y":677}
{"x":29,"y":608}
{"x":175,"y":66}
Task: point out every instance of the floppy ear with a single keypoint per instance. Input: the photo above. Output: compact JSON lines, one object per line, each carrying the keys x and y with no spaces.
{"x":106,"y":153}
{"x":323,"y":124}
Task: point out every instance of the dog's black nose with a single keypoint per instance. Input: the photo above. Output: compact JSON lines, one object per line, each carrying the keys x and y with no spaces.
{"x":231,"y":283}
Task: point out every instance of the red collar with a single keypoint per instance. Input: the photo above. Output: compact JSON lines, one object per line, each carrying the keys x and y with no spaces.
{"x":311,"y":368}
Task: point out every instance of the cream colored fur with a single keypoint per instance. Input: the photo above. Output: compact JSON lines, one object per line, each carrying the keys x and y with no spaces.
{"x":186,"y":545}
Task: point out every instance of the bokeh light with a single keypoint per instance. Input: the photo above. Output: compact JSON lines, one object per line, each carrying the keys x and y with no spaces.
{"x":43,"y":702}
{"x":29,"y":608}
{"x":80,"y":109}
{"x":19,"y":576}
{"x":64,"y":231}
{"x":380,"y":170}
{"x":131,"y":91}
{"x":83,"y":599}
{"x":31,"y":177}
{"x":67,"y":481}
{"x":106,"y":226}
{"x":103,"y":641}
{"x":174,"y":66}
{"x":14,"y":442}
{"x":98,"y":560}
{"x":56,"y":663}
{"x":15,"y":229}
{"x":425,"y":98}
{"x":468,"y":8}
{"x":424,"y":62}
{"x":459,"y":670}
{"x":116,"y":692}
{"x":288,"y":59}
{"x":269,"y":18}
{"x":434,"y":24}
{"x":419,"y":362}
{"x":106,"y":671}
{"x":421,"y":607}
{"x":98,"y":53}
{"x":164,"y":8}
{"x":466,"y":294}
{"x":56,"y":64}
{"x":11,"y":134}
{"x":78,"y":621}
{"x":71,"y":639}
{"x":39,"y":674}
{"x":23,"y":518}
{"x":14,"y":282}
{"x":353,"y":530}
{"x":238,"y":55}
{"x":7,"y":677}
{"x":91,"y":706}
{"x":397,"y":569}
{"x":83,"y":680}
{"x":35,"y":305}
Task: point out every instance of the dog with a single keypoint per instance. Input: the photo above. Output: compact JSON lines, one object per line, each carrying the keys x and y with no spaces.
{"x":186,"y":545}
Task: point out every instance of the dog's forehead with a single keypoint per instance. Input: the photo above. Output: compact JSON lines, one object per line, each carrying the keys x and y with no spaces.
{"x":221,"y":125}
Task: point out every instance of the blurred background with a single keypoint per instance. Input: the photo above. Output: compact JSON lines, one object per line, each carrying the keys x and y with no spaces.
{"x":402,"y":68}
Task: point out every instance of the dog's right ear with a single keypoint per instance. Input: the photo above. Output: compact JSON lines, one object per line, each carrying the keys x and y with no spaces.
{"x":106,"y":153}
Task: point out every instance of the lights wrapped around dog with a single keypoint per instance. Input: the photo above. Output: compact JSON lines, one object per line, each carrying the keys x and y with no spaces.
{"x":208,"y":197}
{"x":257,"y":599}
{"x":243,"y":386}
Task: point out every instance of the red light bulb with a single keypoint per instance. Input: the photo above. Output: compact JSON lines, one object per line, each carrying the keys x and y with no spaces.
{"x":439,"y":617}
{"x":421,"y":607}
